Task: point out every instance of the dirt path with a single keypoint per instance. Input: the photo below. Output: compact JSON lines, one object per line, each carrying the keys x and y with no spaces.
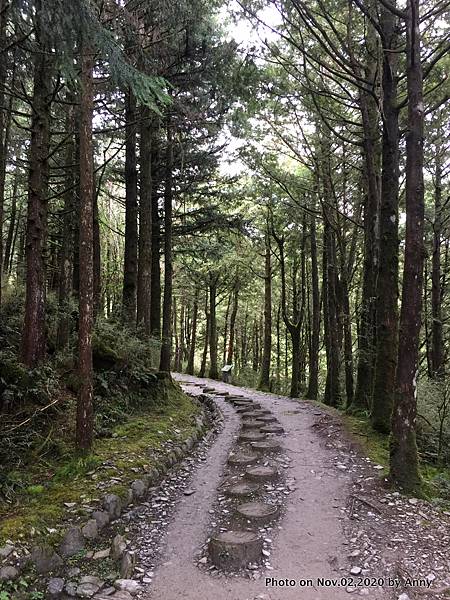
{"x":306,"y":544}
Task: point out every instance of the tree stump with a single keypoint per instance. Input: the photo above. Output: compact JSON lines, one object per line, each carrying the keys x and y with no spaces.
{"x":272,"y":429}
{"x":258,"y":512}
{"x":252,"y":436}
{"x":242,"y":458}
{"x":267,"y":419}
{"x":267,"y":446}
{"x":251,"y":424}
{"x":242,"y":490}
{"x":261,"y":473}
{"x":235,"y":549}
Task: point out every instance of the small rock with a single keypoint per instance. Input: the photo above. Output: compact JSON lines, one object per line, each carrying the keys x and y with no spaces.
{"x":89,"y":586}
{"x":127,"y":565}
{"x":113,"y":505}
{"x":403,"y":597}
{"x":71,"y":588}
{"x":127,"y":585}
{"x":90,"y":530}
{"x":139,"y":488}
{"x":45,"y":559}
{"x":5,"y":551}
{"x":72,"y":543}
{"x":8,"y":573}
{"x":101,"y":517}
{"x":189,"y":492}
{"x":203,"y":560}
{"x":355,"y":570}
{"x":55,"y":587}
{"x":118,"y":547}
{"x":74,"y":572}
{"x":102,"y":554}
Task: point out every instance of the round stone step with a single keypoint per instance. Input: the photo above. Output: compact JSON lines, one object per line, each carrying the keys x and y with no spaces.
{"x":243,"y":489}
{"x":242,"y":458}
{"x":252,"y":414}
{"x":252,"y":436}
{"x":267,"y":446}
{"x":267,"y":419}
{"x":261,"y":473}
{"x":251,"y":424}
{"x":258,"y":512}
{"x":272,"y":429}
{"x":235,"y":549}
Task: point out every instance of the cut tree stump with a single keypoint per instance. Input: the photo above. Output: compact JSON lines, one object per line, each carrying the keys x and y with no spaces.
{"x":261,"y":473}
{"x":251,"y":424}
{"x":258,"y":512}
{"x":267,"y":419}
{"x":243,"y":489}
{"x":235,"y":549}
{"x":252,"y":436}
{"x":251,"y":414}
{"x":267,"y":446}
{"x":272,"y":429}
{"x":242,"y":458}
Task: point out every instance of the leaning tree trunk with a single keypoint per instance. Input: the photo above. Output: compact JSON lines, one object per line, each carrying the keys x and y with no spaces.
{"x":130,"y":260}
{"x":264,"y":377}
{"x":404,"y":464}
{"x":164,"y":364}
{"x":85,"y":414}
{"x":33,"y":332}
{"x":145,"y":226}
{"x":387,"y":283}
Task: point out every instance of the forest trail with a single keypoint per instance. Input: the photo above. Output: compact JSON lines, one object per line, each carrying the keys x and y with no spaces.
{"x":307,"y":540}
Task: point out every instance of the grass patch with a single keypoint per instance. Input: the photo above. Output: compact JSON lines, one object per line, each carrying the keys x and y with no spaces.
{"x":130,"y":451}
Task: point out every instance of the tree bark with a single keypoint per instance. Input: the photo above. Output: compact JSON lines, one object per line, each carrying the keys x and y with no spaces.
{"x":145,"y":227}
{"x":192,"y":345}
{"x":168,"y":267}
{"x":155,"y":279}
{"x":264,"y":377}
{"x":213,"y":367}
{"x":130,"y":262}
{"x":437,"y":344}
{"x":202,"y":371}
{"x":313,"y":383}
{"x":404,"y":464}
{"x":234,"y":311}
{"x":85,"y":412}
{"x":33,"y":334}
{"x":387,"y":282}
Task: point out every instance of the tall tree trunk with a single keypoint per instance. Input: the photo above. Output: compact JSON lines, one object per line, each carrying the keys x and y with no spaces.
{"x":202,"y":371}
{"x":437,"y":344}
{"x":234,"y":310}
{"x":33,"y":333}
{"x":313,"y":383}
{"x":404,"y":467}
{"x":12,"y":224}
{"x":130,"y":261}
{"x":213,"y":367}
{"x":191,"y":357}
{"x":145,"y":226}
{"x":3,"y":129}
{"x":66,"y":254}
{"x":85,"y":412}
{"x":168,"y":267}
{"x":155,"y":283}
{"x":387,"y":282}
{"x":225,"y":329}
{"x":264,"y":377}
{"x":97,"y":258}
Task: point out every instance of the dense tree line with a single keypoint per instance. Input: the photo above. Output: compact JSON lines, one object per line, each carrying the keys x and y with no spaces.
{"x":319,"y":268}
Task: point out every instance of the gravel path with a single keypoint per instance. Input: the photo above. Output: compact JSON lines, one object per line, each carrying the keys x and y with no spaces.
{"x":306,"y":543}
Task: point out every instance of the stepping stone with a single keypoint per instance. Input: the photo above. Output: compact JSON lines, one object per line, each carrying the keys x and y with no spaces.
{"x":235,"y":549}
{"x":207,"y":390}
{"x":252,"y":436}
{"x":272,"y":429}
{"x":258,"y":512}
{"x":261,"y":473}
{"x":251,"y":424}
{"x":242,"y":458}
{"x":252,"y":414}
{"x":241,"y":490}
{"x":267,"y":446}
{"x":267,"y":419}
{"x":246,"y":405}
{"x":243,"y":409}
